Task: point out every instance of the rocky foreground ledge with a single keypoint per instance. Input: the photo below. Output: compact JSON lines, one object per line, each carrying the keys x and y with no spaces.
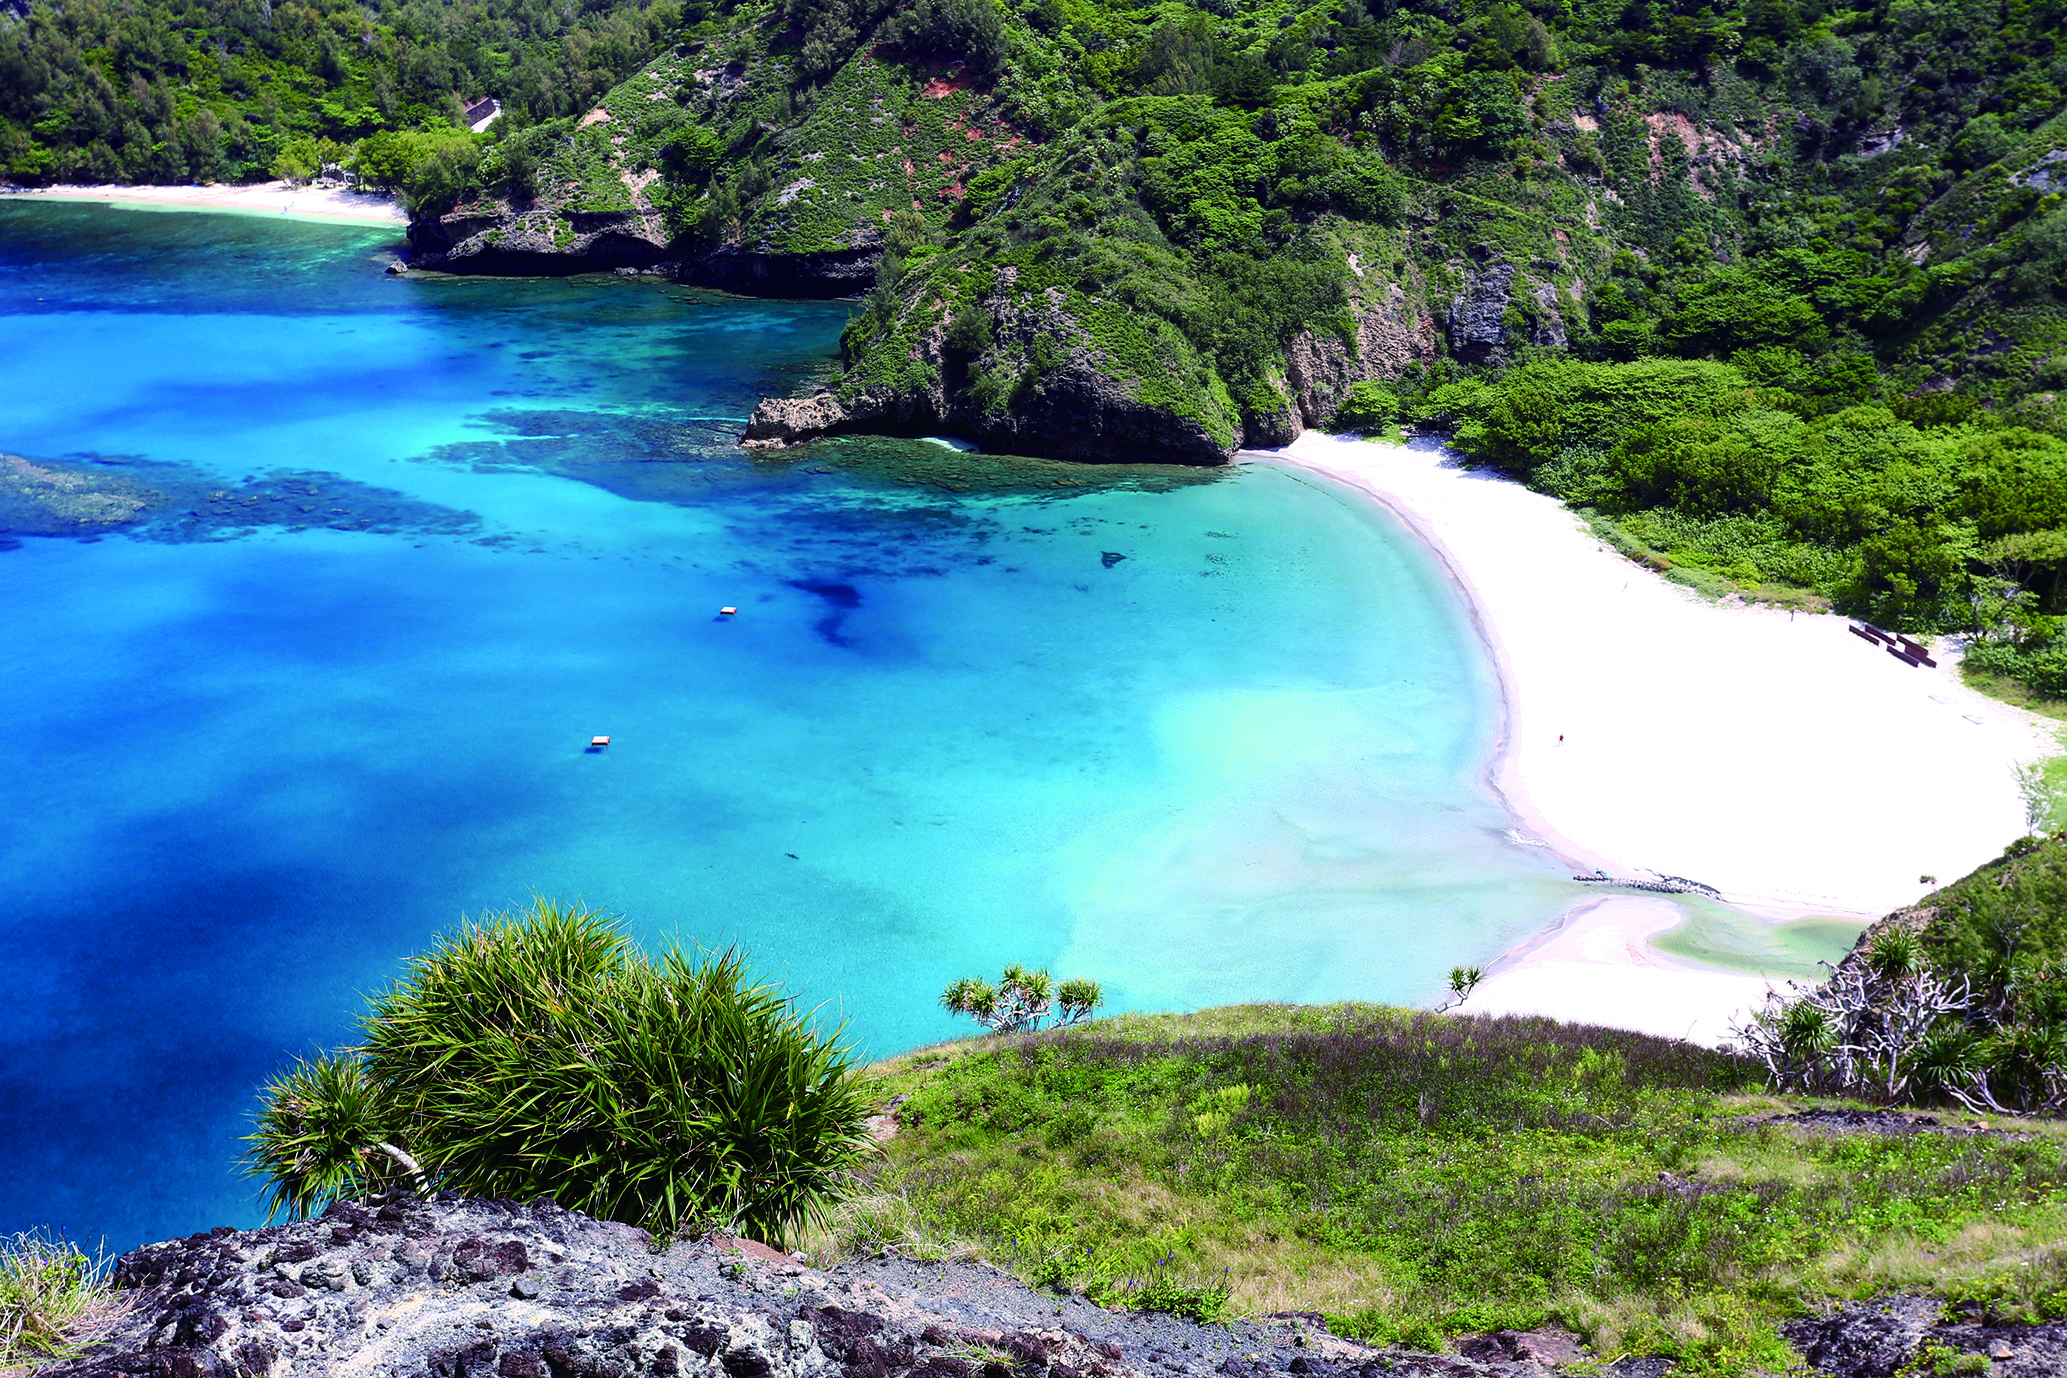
{"x":455,"y":1288}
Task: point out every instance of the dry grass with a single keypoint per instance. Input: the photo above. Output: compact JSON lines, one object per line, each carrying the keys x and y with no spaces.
{"x":54,"y":1300}
{"x":1415,"y":1178}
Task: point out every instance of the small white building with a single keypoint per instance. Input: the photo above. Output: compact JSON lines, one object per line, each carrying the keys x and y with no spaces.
{"x":483,"y":113}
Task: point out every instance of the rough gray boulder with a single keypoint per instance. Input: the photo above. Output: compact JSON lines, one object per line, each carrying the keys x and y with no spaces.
{"x":780,"y":421}
{"x":463,"y":1289}
{"x":1899,"y":1336}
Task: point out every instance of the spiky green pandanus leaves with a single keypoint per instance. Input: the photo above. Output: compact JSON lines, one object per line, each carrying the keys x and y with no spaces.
{"x":322,"y":1135}
{"x":541,"y":1054}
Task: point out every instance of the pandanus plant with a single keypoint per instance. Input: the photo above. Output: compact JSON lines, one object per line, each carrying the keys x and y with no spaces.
{"x":1021,"y":1001}
{"x":541,"y":1054}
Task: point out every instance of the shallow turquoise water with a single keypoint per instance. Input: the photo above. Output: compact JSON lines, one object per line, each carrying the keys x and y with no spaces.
{"x":247,"y":774}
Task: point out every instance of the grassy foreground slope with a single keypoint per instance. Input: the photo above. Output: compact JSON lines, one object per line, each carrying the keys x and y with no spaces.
{"x":1414,"y":1175}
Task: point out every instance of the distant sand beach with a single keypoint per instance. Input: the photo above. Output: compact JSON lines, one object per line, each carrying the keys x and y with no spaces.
{"x":261,"y":198}
{"x":1771,"y":755}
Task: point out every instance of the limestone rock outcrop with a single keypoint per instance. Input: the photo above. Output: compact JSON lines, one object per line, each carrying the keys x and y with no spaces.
{"x":466,"y":1288}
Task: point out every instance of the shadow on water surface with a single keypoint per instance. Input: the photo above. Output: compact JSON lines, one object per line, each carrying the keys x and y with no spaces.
{"x":1202,"y":734}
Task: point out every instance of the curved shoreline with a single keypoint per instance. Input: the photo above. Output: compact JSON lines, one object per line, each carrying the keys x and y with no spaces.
{"x":1527,"y":825}
{"x":279,"y":200}
{"x":1647,"y":730}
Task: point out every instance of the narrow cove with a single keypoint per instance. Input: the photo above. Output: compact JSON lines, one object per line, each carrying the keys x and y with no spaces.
{"x":1203,"y":736}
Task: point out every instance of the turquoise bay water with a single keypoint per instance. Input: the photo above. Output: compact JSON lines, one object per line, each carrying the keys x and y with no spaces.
{"x":1204,"y":737}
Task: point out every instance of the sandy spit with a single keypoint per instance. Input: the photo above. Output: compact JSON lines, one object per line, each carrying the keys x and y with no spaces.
{"x":262,"y":198}
{"x":1773,"y":756}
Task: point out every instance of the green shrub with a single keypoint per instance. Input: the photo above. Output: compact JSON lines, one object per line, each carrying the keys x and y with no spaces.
{"x":1369,"y":406}
{"x":541,"y":1054}
{"x":441,"y":180}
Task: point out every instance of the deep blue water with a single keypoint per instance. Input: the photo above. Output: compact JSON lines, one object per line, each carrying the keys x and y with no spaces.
{"x":247,"y":772}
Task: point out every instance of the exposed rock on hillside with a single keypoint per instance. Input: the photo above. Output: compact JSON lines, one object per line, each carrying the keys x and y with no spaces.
{"x":1905,"y":1335}
{"x":497,"y":238}
{"x":809,"y":219}
{"x":457,"y":1288}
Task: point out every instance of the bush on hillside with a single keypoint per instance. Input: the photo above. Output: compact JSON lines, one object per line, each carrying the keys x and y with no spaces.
{"x":1969,"y":1004}
{"x":1369,"y":407}
{"x":540,"y":1054}
{"x":1022,"y":1001}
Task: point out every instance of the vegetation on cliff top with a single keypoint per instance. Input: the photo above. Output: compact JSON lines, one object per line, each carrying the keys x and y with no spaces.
{"x":239,"y":90}
{"x":540,"y":1054}
{"x":1414,"y":1176}
{"x":1962,"y":999}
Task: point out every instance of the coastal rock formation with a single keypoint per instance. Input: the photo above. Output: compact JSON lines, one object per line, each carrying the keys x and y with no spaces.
{"x":457,"y":1288}
{"x":468,"y":1288}
{"x":1070,"y":397}
{"x":1077,"y":414}
{"x":494,"y":237}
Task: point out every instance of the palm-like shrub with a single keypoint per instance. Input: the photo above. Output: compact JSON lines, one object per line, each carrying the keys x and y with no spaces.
{"x":320,"y":1137}
{"x":1021,"y":1001}
{"x":542,"y":1055}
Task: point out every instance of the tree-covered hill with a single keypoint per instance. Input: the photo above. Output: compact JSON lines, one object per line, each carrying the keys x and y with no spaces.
{"x":241,"y":90}
{"x":1804,"y":265}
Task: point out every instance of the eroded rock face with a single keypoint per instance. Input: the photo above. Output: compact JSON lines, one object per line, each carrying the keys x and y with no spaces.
{"x":465,"y":1289}
{"x":497,"y":239}
{"x":1499,"y":308}
{"x":1902,"y":1335}
{"x":1478,"y":313}
{"x":546,"y":241}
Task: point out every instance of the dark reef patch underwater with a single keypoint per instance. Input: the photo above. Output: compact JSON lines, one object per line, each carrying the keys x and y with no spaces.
{"x":250,"y":768}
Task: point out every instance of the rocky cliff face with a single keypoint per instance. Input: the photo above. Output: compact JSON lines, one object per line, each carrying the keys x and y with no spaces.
{"x":493,"y":237}
{"x":460,"y":1288}
{"x":464,"y":1289}
{"x":1044,"y":385}
{"x":497,"y":238}
{"x":1064,"y":375}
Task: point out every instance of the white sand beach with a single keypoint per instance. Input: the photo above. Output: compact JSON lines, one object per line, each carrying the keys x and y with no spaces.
{"x":262,"y":198}
{"x":1773,"y":756}
{"x":1598,"y":967}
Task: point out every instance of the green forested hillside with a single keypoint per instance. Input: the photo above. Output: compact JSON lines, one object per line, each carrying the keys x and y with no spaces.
{"x":223,"y":90}
{"x":1777,"y":289}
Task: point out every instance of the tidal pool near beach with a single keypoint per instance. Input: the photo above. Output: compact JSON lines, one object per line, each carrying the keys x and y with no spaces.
{"x":1204,"y":736}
